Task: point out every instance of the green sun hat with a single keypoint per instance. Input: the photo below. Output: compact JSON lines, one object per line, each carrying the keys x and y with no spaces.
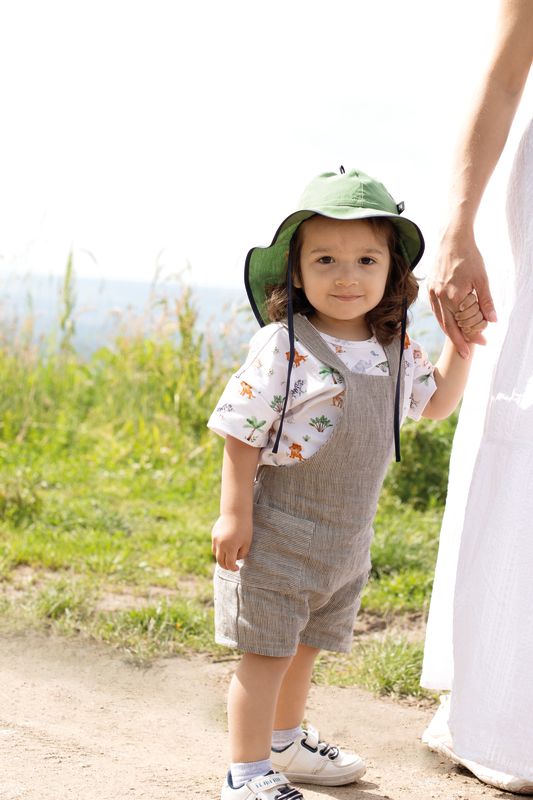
{"x":345,"y":196}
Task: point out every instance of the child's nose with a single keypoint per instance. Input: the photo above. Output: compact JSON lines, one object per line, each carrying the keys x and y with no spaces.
{"x":347,"y":281}
{"x":348,"y":274}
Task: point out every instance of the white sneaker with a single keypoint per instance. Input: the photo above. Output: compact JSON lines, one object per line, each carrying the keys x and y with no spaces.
{"x":438,"y":738}
{"x":309,"y":760}
{"x":272,"y":786}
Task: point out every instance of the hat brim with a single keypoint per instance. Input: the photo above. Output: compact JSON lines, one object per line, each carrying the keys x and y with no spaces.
{"x":267,"y":266}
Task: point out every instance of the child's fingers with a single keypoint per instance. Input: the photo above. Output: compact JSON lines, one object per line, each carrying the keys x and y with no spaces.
{"x":229,"y":558}
{"x":469,"y":312}
{"x":243,"y":551}
{"x":469,"y":300}
{"x":476,"y":328}
{"x":469,"y":323}
{"x":224,"y":558}
{"x":475,"y":319}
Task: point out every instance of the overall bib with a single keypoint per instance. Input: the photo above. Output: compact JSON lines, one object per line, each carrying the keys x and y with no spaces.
{"x":310,"y":555}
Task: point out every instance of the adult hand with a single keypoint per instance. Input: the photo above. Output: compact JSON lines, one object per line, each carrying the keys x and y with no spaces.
{"x":458,"y":271}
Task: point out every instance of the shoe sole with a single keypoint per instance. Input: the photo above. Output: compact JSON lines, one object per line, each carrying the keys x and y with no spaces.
{"x":444,"y":750}
{"x":333,"y":780}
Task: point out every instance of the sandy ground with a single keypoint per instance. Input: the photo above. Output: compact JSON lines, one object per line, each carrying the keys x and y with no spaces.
{"x":77,"y":721}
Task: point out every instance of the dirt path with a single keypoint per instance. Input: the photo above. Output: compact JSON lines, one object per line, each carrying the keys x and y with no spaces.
{"x":76,"y":721}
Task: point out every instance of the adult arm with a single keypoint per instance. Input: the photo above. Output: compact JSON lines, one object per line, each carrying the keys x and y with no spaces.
{"x":459,"y":267}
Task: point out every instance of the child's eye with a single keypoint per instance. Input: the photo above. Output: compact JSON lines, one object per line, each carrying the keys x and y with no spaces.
{"x":325,"y":260}
{"x":367,"y":260}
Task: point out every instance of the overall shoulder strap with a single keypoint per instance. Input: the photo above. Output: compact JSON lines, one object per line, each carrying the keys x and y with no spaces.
{"x":310,"y":337}
{"x":394,"y":353}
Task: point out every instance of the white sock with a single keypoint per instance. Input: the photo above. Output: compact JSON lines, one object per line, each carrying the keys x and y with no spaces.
{"x":282,"y":739}
{"x":247,"y":771}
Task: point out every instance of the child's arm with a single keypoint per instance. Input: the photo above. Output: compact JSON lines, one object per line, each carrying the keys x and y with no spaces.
{"x":451,"y":370}
{"x":232,"y":532}
{"x":450,"y":374}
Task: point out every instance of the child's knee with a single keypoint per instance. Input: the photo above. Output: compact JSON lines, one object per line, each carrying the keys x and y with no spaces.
{"x":271,"y":665}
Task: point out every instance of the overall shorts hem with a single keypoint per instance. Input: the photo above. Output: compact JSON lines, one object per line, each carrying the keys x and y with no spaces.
{"x":271,"y":623}
{"x":332,"y":646}
{"x":258,"y":620}
{"x":256,"y":650}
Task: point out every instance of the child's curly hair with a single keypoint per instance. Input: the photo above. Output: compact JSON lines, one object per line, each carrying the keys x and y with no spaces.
{"x":386,"y":318}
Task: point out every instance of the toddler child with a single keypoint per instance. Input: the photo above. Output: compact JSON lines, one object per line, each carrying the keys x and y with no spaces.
{"x":311,"y":421}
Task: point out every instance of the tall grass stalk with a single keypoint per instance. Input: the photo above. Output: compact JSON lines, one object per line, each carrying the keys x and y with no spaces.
{"x":67,"y":300}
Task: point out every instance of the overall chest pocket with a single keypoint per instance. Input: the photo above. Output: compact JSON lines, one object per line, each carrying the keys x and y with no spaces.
{"x":280,"y":546}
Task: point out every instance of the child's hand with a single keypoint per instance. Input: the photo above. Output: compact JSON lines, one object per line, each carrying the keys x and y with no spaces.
{"x":469,"y":317}
{"x":231,"y":537}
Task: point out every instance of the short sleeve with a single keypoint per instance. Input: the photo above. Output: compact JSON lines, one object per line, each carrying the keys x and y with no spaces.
{"x":253,"y":398}
{"x":420,"y":370}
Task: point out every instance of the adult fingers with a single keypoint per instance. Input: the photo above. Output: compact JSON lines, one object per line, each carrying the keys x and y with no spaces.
{"x":437,"y":306}
{"x":476,"y":337}
{"x":447,"y":299}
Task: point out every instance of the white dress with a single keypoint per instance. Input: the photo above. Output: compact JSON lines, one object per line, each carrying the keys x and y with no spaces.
{"x":480,"y":629}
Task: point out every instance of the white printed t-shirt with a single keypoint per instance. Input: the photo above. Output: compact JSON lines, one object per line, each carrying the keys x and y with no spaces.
{"x":250,"y":406}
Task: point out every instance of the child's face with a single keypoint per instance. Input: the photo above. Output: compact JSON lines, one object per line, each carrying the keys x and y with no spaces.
{"x":344,"y":265}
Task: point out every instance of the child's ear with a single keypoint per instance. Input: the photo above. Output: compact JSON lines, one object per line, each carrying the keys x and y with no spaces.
{"x":296,"y":282}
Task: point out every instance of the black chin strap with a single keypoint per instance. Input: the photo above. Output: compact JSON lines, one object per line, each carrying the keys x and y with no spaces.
{"x":290,"y":326}
{"x":398,"y":384}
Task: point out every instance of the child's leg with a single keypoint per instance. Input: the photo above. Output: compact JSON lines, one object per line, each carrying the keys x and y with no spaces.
{"x":302,"y":755}
{"x":292,"y":696}
{"x":252,"y":702}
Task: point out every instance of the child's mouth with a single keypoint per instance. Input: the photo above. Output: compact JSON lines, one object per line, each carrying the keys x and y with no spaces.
{"x":346,"y":298}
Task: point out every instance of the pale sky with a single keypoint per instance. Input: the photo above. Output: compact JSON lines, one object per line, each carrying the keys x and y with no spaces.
{"x":175,"y":133}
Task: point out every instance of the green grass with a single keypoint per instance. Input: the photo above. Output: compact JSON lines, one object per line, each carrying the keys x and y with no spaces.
{"x":109,"y":483}
{"x":164,"y":629}
{"x":141,"y":541}
{"x":69,"y":606}
{"x":61,"y":600}
{"x":387,"y":666}
{"x":404,"y":552}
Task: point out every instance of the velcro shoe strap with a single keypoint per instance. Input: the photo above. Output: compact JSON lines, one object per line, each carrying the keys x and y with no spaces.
{"x":266,"y":782}
{"x":312,"y":737}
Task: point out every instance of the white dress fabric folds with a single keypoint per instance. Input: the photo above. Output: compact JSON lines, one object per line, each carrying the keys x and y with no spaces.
{"x":480,"y":629}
